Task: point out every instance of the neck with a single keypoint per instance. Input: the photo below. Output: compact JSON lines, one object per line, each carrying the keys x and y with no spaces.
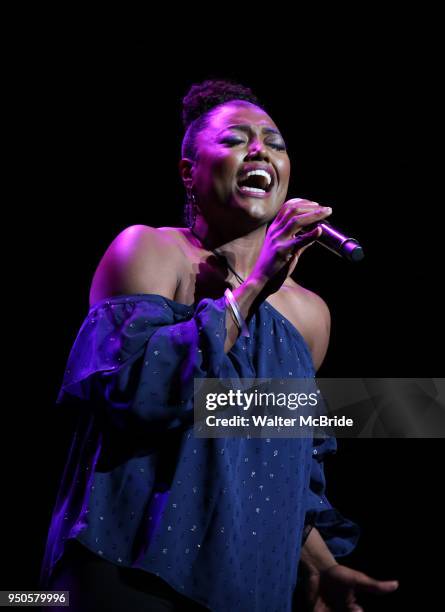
{"x":241,"y":252}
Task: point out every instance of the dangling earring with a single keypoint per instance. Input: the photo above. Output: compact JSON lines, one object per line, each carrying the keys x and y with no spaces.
{"x":192,"y":208}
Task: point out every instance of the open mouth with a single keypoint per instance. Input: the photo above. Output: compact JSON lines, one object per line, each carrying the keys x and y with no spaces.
{"x":256,"y":182}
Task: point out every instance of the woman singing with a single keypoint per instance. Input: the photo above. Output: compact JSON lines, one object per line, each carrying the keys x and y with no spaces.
{"x":148,"y":516}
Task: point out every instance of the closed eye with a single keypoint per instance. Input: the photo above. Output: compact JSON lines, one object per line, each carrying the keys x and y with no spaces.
{"x":277,"y":145}
{"x":235,"y":141}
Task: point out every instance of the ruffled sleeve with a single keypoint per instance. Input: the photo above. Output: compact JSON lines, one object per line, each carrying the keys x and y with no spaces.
{"x":340,"y":534}
{"x":137,"y":356}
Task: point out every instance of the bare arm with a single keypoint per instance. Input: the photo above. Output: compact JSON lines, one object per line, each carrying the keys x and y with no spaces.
{"x":315,"y":555}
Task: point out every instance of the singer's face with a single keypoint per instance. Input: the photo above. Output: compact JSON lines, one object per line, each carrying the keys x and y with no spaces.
{"x":240,"y":139}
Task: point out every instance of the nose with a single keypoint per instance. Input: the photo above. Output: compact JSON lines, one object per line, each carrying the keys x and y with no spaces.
{"x":257,"y":149}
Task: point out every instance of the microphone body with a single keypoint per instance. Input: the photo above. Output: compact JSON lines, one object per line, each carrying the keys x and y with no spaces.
{"x":343,"y":246}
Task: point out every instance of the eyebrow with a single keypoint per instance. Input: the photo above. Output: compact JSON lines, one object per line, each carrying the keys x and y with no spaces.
{"x":245,"y":127}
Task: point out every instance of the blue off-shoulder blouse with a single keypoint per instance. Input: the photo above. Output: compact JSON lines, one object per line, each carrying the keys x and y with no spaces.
{"x":221,"y":520}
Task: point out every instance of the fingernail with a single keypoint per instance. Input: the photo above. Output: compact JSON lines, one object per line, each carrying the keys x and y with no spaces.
{"x":327,"y":209}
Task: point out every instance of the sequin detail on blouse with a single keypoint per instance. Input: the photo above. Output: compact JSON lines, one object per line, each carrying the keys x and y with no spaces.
{"x":221,"y":520}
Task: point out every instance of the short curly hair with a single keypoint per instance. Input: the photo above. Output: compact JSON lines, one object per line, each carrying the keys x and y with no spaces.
{"x":196,"y":106}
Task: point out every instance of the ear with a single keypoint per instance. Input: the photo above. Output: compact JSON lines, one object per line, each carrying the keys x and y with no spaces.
{"x":186,"y":167}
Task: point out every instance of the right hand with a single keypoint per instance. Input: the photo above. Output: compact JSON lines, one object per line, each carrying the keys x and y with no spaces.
{"x":337,"y":587}
{"x":286,"y":240}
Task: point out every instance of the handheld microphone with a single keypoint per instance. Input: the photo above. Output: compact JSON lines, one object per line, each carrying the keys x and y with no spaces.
{"x":338,"y":243}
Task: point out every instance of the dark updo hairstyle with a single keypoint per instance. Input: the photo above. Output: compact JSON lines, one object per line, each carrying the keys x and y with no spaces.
{"x":196,"y":106}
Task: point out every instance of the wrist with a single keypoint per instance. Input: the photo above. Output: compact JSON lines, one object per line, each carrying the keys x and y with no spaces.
{"x":319,"y":570}
{"x":252,"y":291}
{"x":315,"y":555}
{"x":257,"y":282}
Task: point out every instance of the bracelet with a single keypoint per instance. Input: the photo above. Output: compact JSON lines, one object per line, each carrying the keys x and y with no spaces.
{"x":239,"y":318}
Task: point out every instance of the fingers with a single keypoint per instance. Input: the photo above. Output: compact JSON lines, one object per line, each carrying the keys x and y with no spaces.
{"x":303,"y":240}
{"x":293,"y":206}
{"x":287,"y":213}
{"x":320,"y":606}
{"x":298,"y":213}
{"x":292,"y":249}
{"x":351,"y":606}
{"x":302,"y":250}
{"x":378,"y":587}
{"x":293,"y":216}
{"x":296,"y":222}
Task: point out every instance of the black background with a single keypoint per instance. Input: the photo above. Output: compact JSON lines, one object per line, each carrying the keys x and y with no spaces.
{"x":96,"y":144}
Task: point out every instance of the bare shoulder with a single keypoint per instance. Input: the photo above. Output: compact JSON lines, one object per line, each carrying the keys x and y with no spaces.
{"x":315,"y":321}
{"x":140,"y":259}
{"x":316,"y":304}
